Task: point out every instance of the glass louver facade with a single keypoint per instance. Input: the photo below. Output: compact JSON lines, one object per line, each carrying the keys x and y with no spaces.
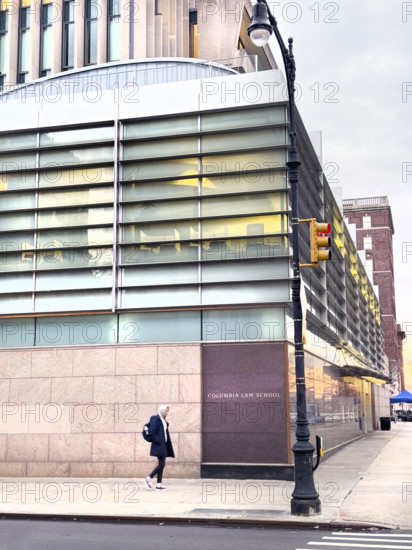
{"x":185,"y":212}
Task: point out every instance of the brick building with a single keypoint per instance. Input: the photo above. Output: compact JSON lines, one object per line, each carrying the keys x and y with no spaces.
{"x":374,"y":229}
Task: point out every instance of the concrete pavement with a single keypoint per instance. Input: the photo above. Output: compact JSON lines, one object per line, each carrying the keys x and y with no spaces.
{"x":368,"y":483}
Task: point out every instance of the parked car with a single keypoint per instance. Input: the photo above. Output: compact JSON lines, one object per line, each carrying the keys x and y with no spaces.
{"x":405,"y":416}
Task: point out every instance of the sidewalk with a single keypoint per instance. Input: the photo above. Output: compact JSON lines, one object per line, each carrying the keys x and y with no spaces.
{"x":369,"y":482}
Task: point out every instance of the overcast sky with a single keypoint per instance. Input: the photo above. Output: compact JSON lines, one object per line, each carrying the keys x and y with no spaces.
{"x":354,"y":71}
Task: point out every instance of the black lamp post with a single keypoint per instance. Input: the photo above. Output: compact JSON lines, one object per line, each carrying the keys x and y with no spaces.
{"x":305,"y":499}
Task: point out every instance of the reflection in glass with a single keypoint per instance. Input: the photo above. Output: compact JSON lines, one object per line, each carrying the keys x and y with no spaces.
{"x":62,"y":259}
{"x":16,"y":281}
{"x":96,"y":278}
{"x":69,"y":197}
{"x":76,"y":330}
{"x":24,"y":50}
{"x":248,"y":226}
{"x":17,"y":332}
{"x":20,"y":261}
{"x":17,"y":141}
{"x":264,"y":160}
{"x":241,"y":249}
{"x":16,"y":241}
{"x":11,"y":182}
{"x":92,"y":12}
{"x":114,"y":30}
{"x":159,"y":211}
{"x":173,"y":168}
{"x":76,"y":156}
{"x":160,"y":148}
{"x":160,"y":275}
{"x":244,"y":118}
{"x":276,"y":291}
{"x":78,"y":216}
{"x":160,"y":190}
{"x":244,"y":140}
{"x":11,"y":221}
{"x":12,"y":303}
{"x":82,"y":176}
{"x":244,"y":182}
{"x":68,"y":34}
{"x":175,"y":326}
{"x":73,"y":301}
{"x":161,"y":127}
{"x":165,"y":252}
{"x":81,"y":135}
{"x":245,"y":270}
{"x":58,"y":238}
{"x":160,"y":297}
{"x":225,"y":324}
{"x":153,"y":232}
{"x":244,"y":204}
{"x":17,"y":202}
{"x":17,"y":161}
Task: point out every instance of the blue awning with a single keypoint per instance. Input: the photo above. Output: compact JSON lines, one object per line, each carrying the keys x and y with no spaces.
{"x":403,"y":397}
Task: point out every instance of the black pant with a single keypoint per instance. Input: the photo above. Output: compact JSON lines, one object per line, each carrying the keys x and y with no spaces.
{"x":159,"y":469}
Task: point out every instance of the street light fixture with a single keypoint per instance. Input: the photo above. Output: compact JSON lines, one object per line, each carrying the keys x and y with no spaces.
{"x":305,"y":499}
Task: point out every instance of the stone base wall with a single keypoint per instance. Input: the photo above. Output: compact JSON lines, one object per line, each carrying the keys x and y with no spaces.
{"x":79,"y":412}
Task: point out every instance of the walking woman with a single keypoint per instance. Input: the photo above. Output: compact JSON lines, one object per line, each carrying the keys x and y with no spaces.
{"x":161,"y":446}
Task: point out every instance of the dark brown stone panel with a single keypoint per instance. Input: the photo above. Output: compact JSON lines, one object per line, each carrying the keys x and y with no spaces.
{"x":244,"y":403}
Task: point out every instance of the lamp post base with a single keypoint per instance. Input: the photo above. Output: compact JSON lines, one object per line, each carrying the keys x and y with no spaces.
{"x":305,"y":507}
{"x":305,"y":499}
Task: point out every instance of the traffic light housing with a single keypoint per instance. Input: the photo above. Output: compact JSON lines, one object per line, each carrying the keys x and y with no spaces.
{"x":319,"y":240}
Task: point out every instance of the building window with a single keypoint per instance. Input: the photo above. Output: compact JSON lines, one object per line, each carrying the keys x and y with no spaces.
{"x":367,"y":243}
{"x":193,"y":33}
{"x":113,"y":24}
{"x":90,"y":42}
{"x":367,"y":224}
{"x":45,"y":39}
{"x":3,"y":46}
{"x":369,"y":268}
{"x":24,"y":44}
{"x":68,"y":35}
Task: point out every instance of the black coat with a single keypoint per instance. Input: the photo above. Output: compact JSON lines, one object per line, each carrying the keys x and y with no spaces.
{"x":160,"y":447}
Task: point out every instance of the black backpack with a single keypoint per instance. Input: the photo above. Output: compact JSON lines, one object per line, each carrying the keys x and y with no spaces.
{"x":147,"y":436}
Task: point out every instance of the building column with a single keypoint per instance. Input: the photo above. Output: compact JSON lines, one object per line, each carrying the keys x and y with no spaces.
{"x":366,"y":404}
{"x":57,"y":37}
{"x":172,"y":28}
{"x":139,"y":30}
{"x":185,"y":30}
{"x":164,"y":9}
{"x":102,"y":33}
{"x":79,"y":17}
{"x":12,"y":43}
{"x":150,"y":28}
{"x":34,"y":51}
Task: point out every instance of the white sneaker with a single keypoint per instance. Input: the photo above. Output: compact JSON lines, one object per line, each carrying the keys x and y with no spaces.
{"x":161,"y":488}
{"x":148,"y":483}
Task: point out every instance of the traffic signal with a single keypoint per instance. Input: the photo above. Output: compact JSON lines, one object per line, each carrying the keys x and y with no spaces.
{"x":319,"y":240}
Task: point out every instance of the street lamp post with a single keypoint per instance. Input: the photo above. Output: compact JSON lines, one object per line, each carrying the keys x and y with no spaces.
{"x":305,"y":499}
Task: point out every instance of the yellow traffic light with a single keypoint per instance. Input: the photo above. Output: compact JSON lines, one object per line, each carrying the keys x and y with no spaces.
{"x":318,"y":240}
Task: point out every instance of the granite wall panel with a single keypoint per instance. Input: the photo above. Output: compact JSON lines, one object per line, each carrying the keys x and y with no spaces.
{"x":79,"y":412}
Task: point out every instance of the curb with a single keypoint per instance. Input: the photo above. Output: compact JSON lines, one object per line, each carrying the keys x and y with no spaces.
{"x":238,"y":523}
